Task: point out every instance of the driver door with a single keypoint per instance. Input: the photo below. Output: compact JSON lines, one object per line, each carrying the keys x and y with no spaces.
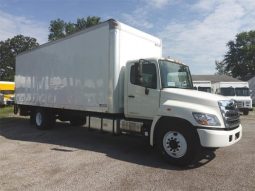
{"x":142,"y":91}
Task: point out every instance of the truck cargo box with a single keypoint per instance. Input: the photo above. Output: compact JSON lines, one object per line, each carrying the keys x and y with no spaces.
{"x":83,"y":71}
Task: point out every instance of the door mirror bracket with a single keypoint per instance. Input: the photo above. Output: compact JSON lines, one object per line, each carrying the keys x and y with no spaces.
{"x":146,"y":91}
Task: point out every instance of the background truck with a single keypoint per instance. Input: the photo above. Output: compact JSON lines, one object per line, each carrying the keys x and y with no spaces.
{"x":204,"y":86}
{"x":7,"y":89}
{"x":113,"y":71}
{"x":238,"y":91}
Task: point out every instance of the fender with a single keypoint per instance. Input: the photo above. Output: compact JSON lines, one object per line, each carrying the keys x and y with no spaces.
{"x":153,"y":125}
{"x":183,"y":111}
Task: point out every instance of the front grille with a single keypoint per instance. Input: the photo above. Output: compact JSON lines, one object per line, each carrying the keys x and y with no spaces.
{"x":230,"y":114}
{"x":232,"y":118}
{"x":239,"y":104}
{"x":232,"y":122}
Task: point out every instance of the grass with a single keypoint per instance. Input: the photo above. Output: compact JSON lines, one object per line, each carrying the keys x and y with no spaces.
{"x":6,"y":111}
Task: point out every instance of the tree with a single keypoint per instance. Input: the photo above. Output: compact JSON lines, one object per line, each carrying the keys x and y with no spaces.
{"x":220,"y":68}
{"x":239,"y":61}
{"x":91,"y":21}
{"x":9,"y":49}
{"x":59,"y":28}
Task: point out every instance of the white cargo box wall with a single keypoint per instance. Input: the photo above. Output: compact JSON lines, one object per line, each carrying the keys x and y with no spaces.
{"x":83,"y":70}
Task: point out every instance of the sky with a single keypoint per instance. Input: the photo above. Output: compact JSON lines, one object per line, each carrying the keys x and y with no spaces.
{"x":193,"y":31}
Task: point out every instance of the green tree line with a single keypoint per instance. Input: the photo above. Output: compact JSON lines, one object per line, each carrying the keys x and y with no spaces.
{"x":59,"y":28}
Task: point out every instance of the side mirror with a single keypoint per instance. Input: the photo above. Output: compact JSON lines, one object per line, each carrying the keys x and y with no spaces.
{"x":138,"y":73}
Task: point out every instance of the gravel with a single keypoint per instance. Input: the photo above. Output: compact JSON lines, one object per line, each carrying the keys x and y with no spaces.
{"x":76,"y":158}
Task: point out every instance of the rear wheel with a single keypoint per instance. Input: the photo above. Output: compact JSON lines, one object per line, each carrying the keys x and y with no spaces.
{"x":178,"y":144}
{"x":43,"y":119}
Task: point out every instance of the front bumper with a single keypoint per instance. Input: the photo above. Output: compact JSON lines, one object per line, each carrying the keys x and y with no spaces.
{"x":10,"y":102}
{"x":219,"y":138}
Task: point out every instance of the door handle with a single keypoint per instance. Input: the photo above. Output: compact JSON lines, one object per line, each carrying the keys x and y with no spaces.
{"x":131,"y":96}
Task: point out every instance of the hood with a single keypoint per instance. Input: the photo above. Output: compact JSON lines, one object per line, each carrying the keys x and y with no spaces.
{"x":191,"y":96}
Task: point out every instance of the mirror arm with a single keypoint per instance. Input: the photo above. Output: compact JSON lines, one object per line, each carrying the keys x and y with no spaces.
{"x":146,"y":91}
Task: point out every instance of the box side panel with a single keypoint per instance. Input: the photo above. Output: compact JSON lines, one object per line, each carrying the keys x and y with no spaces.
{"x":72,"y":73}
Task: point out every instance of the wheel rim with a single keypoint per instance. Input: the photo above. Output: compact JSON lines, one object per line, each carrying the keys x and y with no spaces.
{"x":175,"y":144}
{"x":38,"y":119}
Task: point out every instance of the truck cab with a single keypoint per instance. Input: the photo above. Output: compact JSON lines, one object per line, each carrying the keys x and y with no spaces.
{"x":183,"y":119}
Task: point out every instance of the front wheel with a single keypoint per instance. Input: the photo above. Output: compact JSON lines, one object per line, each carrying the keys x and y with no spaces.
{"x":178,"y":144}
{"x":246,"y":112}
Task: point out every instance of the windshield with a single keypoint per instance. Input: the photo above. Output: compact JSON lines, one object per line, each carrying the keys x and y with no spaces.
{"x":227,"y":91}
{"x":205,"y":89}
{"x":174,"y":75}
{"x":242,"y":91}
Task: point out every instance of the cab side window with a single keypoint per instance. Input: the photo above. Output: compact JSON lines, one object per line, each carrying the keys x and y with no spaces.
{"x":147,"y":79}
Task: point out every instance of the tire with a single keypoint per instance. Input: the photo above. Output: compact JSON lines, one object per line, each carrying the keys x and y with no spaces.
{"x":78,"y":121}
{"x":178,"y":144}
{"x":246,"y":112}
{"x":43,"y":119}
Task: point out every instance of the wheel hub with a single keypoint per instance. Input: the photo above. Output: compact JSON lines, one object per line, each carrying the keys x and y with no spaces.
{"x":175,"y":144}
{"x":38,"y":119}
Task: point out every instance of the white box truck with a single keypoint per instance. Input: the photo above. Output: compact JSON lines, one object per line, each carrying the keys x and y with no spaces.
{"x":238,"y":91}
{"x":204,"y":86}
{"x":117,"y":72}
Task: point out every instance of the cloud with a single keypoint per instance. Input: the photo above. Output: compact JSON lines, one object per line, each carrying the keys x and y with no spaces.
{"x":205,"y":6}
{"x":140,"y":16}
{"x":157,"y":3}
{"x":201,"y":41}
{"x":13,"y":25}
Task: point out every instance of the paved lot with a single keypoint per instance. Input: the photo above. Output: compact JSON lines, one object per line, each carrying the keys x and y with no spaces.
{"x":72,"y":158}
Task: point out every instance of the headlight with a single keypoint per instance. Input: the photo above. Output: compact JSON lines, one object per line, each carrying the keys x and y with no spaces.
{"x":248,"y":103}
{"x":206,"y":119}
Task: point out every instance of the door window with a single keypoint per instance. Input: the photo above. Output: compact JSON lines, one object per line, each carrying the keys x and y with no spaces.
{"x":147,"y":79}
